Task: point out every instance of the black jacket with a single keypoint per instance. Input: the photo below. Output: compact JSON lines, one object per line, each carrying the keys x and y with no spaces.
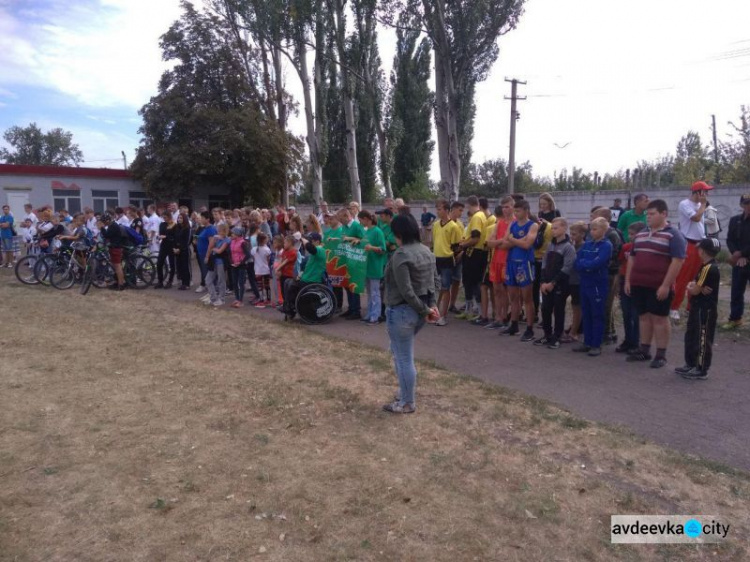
{"x":738,"y":235}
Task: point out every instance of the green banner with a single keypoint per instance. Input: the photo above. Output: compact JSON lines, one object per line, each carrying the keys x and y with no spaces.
{"x":346,"y":265}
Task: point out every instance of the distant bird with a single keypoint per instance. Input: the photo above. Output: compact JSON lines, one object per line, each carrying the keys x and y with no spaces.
{"x":565,"y":145}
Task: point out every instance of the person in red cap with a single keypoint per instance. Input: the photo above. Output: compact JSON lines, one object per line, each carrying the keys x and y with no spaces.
{"x":692,"y":226}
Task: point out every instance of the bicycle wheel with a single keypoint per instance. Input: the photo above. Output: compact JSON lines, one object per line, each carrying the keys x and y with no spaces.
{"x":103,"y":274}
{"x":145,"y":273}
{"x":88,"y":275}
{"x":62,"y":276}
{"x":25,"y":269}
{"x":43,"y":267}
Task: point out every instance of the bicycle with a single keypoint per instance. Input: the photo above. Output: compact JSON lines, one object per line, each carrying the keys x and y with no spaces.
{"x":25,"y":265}
{"x":47,"y":262}
{"x":139,"y":271}
{"x":64,"y":275}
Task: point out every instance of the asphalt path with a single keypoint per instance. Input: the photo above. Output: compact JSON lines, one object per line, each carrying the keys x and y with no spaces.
{"x":709,"y":418}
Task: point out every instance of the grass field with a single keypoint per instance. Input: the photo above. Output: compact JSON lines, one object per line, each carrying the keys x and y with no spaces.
{"x":136,"y":428}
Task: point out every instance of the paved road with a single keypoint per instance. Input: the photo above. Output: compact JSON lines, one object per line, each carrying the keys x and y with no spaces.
{"x":708,"y":418}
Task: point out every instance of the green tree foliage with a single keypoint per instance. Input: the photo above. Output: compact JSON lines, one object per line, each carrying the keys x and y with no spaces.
{"x":209,"y":123}
{"x":735,"y":153}
{"x":693,"y":160}
{"x":411,"y":109}
{"x":32,"y":147}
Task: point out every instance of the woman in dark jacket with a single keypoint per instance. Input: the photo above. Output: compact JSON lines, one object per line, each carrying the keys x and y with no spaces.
{"x":411,"y":287}
{"x":182,"y":250}
{"x":168,"y":237}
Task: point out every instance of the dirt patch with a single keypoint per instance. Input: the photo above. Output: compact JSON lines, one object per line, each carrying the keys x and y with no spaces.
{"x":136,"y":428}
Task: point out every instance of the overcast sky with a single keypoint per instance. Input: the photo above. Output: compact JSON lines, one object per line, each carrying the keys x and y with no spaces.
{"x":618,"y":81}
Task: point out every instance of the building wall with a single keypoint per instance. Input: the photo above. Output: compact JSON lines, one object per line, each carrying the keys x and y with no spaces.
{"x":39,"y":189}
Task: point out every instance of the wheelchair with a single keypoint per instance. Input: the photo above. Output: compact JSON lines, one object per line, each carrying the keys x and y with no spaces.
{"x":315,"y":304}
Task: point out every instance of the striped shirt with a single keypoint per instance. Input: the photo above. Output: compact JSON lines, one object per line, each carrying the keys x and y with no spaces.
{"x":652,"y":254}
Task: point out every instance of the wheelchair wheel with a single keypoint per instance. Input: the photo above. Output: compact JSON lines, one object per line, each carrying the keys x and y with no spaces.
{"x":315,"y":304}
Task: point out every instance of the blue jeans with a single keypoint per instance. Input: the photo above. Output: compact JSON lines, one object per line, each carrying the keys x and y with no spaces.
{"x":740,"y":279}
{"x":403,"y":324}
{"x":239,"y":278}
{"x":354,"y":303}
{"x":373,"y":299}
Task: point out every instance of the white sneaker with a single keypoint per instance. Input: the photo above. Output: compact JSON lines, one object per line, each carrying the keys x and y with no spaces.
{"x":229,"y":292}
{"x":218,"y":303}
{"x":200,"y":289}
{"x":441,"y":322}
{"x":206,"y":298}
{"x":674,"y":315}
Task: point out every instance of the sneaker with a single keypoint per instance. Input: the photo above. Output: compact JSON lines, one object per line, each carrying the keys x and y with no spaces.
{"x":480,"y":321}
{"x":464,"y":316}
{"x":228,"y":292}
{"x":200,"y":289}
{"x":205,"y":297}
{"x":567,"y":338}
{"x":260,"y":304}
{"x":582,"y":348}
{"x":542,"y":341}
{"x":183,"y":288}
{"x":732,"y":325}
{"x":453,"y":310}
{"x":658,"y":363}
{"x":509,"y":331}
{"x":396,"y":408}
{"x":528,"y":335}
{"x":441,"y":322}
{"x":683,"y":369}
{"x":609,"y":339}
{"x":554,"y":344}
{"x":595,"y":352}
{"x":624,"y":347}
{"x":638,"y":356}
{"x":496,"y":325}
{"x":674,"y":316}
{"x":218,"y":303}
{"x":371,"y":323}
{"x":696,"y":373}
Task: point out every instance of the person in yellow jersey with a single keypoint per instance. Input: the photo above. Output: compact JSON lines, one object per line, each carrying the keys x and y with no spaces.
{"x":457,"y":211}
{"x":475,"y":257}
{"x":485,"y":287}
{"x":446,"y":235}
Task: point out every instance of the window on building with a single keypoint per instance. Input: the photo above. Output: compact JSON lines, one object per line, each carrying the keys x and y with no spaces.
{"x":219,"y":201}
{"x":104,"y":200}
{"x":140,"y":199}
{"x":68,"y":199}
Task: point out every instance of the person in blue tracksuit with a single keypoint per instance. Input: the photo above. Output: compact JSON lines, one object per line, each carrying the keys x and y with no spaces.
{"x":592,"y":265}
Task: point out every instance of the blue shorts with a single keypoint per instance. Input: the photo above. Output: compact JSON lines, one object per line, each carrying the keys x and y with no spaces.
{"x":7,"y":244}
{"x":449,"y":274}
{"x":519,"y":273}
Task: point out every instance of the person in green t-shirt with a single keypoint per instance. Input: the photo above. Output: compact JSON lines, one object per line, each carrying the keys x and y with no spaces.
{"x":377,"y":256}
{"x":385,"y":216}
{"x":315,"y":269}
{"x":354,"y":234}
{"x":634,"y":215}
{"x":335,"y":232}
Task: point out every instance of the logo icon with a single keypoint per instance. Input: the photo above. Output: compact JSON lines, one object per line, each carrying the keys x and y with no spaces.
{"x":693,"y":528}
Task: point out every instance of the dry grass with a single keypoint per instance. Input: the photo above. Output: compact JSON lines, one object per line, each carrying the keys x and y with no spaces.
{"x":135,"y":428}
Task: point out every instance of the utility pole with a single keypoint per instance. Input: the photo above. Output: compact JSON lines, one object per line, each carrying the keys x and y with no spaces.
{"x":514,"y":116}
{"x":716,"y":148}
{"x":124,"y":160}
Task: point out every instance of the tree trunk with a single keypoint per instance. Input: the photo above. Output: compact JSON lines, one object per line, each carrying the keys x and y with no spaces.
{"x":280,"y":108}
{"x":385,"y":156}
{"x":351,"y":135}
{"x":312,"y":134}
{"x":447,"y":104}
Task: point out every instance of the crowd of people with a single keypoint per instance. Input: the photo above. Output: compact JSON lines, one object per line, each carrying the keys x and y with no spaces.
{"x":518,"y":266}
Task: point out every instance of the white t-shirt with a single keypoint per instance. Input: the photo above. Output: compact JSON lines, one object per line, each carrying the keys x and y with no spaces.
{"x":151,"y":224}
{"x":261,"y":256}
{"x":691,"y":230}
{"x":91,"y":225}
{"x":31,"y":217}
{"x":123,"y":220}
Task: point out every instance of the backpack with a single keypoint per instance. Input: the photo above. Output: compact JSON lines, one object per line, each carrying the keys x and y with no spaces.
{"x":134,"y":236}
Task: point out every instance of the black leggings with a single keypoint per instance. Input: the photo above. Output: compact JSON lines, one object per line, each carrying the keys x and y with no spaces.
{"x":165,"y":254}
{"x":183,"y":266}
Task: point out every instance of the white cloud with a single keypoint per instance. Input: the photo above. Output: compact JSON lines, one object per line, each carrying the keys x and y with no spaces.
{"x":102,"y":53}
